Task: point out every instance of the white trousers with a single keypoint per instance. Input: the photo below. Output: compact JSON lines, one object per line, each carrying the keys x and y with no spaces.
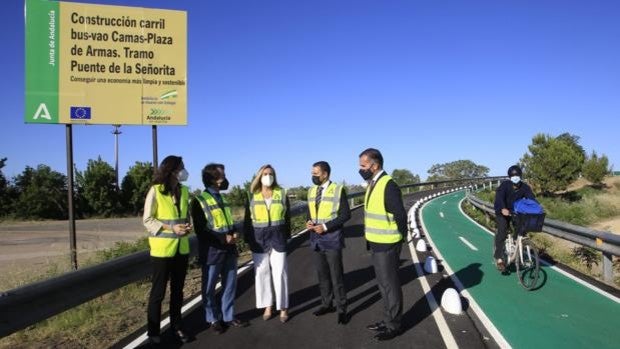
{"x":271,"y":268}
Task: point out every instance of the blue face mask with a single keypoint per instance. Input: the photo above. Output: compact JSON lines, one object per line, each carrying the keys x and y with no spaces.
{"x":515,"y":179}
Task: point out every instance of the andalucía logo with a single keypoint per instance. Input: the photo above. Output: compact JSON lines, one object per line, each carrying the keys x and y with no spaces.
{"x":169,"y":94}
{"x":80,"y":113}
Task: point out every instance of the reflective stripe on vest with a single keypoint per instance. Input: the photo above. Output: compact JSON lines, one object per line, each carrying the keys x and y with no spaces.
{"x":380,"y":226}
{"x":218,"y":220}
{"x":329,"y":205}
{"x":268,"y":217}
{"x":166,"y":243}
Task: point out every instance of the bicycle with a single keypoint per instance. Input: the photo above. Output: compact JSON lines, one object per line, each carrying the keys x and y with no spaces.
{"x":522,"y":251}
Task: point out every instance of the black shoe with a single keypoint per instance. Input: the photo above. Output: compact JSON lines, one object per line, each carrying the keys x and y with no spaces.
{"x":323,"y":311}
{"x":379,"y":327}
{"x":218,"y":327}
{"x":155,"y":339}
{"x":237,"y":323}
{"x":181,"y":336}
{"x":387,"y":335}
{"x":343,"y":318}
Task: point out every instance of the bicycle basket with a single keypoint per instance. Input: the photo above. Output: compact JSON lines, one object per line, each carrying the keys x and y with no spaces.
{"x":529,"y":222}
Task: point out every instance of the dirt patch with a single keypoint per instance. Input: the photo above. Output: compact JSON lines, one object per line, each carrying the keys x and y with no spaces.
{"x":31,"y":250}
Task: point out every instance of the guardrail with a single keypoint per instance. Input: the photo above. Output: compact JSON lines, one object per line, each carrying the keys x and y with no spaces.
{"x":606,"y":242}
{"x":27,"y":305}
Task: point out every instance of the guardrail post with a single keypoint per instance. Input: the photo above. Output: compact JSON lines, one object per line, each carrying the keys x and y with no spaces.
{"x":608,"y":267}
{"x":351,"y":202}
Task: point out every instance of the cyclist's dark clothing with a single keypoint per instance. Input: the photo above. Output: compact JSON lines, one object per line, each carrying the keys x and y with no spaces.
{"x":507,"y":193}
{"x":505,"y":196}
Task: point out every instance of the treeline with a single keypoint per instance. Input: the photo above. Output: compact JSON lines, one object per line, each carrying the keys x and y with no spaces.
{"x":41,"y":193}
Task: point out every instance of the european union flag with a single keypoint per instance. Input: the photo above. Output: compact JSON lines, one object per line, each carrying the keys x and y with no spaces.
{"x":80,"y":113}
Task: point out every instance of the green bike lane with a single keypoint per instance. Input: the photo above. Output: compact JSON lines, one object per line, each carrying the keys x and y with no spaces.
{"x":561,"y":313}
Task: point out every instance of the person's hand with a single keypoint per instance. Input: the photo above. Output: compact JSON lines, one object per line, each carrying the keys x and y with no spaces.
{"x":230,"y":239}
{"x":309,"y":225}
{"x":179,"y":229}
{"x":505,"y":212}
{"x":319,"y":229}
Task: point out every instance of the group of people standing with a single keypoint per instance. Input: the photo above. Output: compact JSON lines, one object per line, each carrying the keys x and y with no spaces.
{"x":168,"y":211}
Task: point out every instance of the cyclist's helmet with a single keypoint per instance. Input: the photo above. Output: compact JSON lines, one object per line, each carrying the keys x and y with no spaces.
{"x":514,"y":170}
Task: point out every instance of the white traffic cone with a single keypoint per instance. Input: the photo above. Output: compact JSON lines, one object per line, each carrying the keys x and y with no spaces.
{"x":421,"y":246}
{"x":451,"y":301}
{"x":430,"y":265}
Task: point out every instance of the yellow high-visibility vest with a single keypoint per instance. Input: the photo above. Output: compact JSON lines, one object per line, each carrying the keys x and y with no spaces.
{"x":329,"y":205}
{"x":275,"y":215}
{"x":165,"y":243}
{"x":218,"y":220}
{"x":380,"y":226}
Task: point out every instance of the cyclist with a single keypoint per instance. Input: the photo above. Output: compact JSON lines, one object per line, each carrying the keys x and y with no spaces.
{"x":505,"y":196}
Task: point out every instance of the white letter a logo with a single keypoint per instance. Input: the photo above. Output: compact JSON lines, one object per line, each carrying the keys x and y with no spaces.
{"x":42,"y":112}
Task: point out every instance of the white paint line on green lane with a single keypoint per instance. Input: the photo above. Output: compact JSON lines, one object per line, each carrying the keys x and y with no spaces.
{"x":488,"y":324}
{"x":469,"y":244}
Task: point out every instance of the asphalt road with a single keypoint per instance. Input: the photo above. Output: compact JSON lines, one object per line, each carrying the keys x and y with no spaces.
{"x":303,"y":330}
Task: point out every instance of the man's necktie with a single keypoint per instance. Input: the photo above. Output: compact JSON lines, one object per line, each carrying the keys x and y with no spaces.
{"x":319,"y":193}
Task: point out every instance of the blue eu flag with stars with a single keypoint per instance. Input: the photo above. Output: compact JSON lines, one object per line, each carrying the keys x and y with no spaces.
{"x":80,"y":113}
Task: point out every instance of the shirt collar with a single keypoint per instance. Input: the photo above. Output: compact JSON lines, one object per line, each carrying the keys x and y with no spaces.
{"x":374,"y":179}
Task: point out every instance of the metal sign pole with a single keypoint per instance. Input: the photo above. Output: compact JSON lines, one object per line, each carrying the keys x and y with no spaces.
{"x":70,"y":206}
{"x":155,"y":162}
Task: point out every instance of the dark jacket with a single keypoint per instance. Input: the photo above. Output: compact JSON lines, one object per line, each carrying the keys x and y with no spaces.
{"x":393,"y":204}
{"x":262,"y":240}
{"x":507,"y":193}
{"x":333,"y":238}
{"x":211,"y":250}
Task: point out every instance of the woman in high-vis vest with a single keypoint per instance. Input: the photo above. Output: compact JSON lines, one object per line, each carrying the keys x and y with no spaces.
{"x":166,"y":219}
{"x":267,"y":228}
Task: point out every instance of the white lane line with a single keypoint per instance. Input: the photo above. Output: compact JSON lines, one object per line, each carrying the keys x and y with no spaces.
{"x":443,"y":203}
{"x":486,"y":322}
{"x":191,"y":304}
{"x":469,"y":244}
{"x":441,"y":214}
{"x":444,"y":330}
{"x":568,"y":275}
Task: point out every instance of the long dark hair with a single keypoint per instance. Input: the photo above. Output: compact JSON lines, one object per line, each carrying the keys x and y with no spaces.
{"x":165,"y":175}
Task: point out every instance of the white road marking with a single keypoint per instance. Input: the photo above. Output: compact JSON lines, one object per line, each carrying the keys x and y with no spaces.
{"x":493,"y":331}
{"x":191,"y":304}
{"x":444,"y":330}
{"x":568,"y":275}
{"x":443,"y":203}
{"x":441,"y":214}
{"x":469,"y":244}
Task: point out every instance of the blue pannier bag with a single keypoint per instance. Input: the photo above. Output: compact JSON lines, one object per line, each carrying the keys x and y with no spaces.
{"x":529,"y":216}
{"x":527,"y":206}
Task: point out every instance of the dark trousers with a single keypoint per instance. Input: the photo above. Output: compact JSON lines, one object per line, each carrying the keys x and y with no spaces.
{"x":164,"y":269}
{"x":500,"y":236}
{"x":386,"y":272}
{"x":331,"y":281}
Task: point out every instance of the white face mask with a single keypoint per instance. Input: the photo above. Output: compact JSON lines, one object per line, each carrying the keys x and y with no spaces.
{"x":267,"y":180}
{"x":182,"y":175}
{"x":515,"y":179}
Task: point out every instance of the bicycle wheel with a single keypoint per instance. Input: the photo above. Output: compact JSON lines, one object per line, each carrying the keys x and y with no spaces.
{"x":528,"y":265}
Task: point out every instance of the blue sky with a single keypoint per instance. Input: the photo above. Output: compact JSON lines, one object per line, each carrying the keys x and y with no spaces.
{"x":293,"y":82}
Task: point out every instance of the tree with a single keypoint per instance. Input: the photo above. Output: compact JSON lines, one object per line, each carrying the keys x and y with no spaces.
{"x":135,"y":185}
{"x":99,"y":189}
{"x":7,"y":192}
{"x":457,"y":170}
{"x":238,"y":194}
{"x":404,"y":176}
{"x":41,"y":194}
{"x":552,"y":163}
{"x":595,"y":168}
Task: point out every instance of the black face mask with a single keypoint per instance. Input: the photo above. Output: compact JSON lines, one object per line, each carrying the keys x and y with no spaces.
{"x":316,"y":180}
{"x":366,"y":174}
{"x":224,"y":184}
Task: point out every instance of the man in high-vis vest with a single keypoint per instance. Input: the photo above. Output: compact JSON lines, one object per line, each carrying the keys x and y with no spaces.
{"x":385,"y":225}
{"x":217,"y":250}
{"x":328,"y":210}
